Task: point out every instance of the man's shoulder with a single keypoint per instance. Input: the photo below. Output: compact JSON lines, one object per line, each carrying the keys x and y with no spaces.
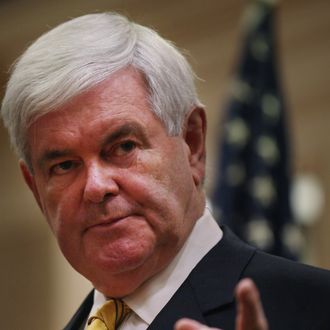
{"x":276,"y":274}
{"x":270,"y":268}
{"x":267,"y":263}
{"x":294,"y":295}
{"x":263,"y":264}
{"x":291,"y":291}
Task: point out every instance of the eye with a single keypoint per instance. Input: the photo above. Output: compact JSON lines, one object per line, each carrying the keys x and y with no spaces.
{"x":124,"y":148}
{"x":63,"y":167}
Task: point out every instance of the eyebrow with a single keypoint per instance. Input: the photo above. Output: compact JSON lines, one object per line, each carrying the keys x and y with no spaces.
{"x":126,"y":130}
{"x":122,"y":131}
{"x":50,"y":155}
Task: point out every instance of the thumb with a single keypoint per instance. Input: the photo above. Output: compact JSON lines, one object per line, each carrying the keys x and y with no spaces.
{"x":188,"y":324}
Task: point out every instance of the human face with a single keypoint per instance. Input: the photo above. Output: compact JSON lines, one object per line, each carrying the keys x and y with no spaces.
{"x":120,"y":195}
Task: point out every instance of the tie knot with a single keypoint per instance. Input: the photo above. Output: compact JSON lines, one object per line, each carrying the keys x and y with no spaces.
{"x":109,"y":316}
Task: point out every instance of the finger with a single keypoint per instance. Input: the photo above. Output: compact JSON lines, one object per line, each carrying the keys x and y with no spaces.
{"x":188,"y":324}
{"x":250,"y":313}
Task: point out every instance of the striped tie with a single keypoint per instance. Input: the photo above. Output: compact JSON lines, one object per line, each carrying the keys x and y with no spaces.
{"x":109,"y":316}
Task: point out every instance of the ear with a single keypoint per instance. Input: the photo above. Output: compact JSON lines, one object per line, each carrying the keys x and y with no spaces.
{"x":30,"y":181}
{"x":194,"y":135}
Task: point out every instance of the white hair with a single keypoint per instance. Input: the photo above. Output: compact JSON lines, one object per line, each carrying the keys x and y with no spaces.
{"x":79,"y":54}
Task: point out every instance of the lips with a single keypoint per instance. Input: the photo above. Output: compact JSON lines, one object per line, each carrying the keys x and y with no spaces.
{"x":106,"y":222}
{"x":109,"y":222}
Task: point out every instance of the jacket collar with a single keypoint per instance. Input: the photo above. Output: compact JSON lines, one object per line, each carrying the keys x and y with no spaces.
{"x":216,"y":276}
{"x":210,"y":285}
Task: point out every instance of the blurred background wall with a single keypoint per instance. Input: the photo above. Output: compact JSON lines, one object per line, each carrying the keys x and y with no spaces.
{"x":35,"y":279}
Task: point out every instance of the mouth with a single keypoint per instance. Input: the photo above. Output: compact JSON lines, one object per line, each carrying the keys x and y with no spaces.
{"x":107,"y":223}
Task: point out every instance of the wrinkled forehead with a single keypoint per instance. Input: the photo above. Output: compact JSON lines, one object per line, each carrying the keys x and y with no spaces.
{"x":122,"y":100}
{"x":130,"y":76}
{"x":126,"y":86}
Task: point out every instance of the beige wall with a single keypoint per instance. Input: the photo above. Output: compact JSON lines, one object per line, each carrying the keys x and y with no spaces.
{"x":33,"y":273}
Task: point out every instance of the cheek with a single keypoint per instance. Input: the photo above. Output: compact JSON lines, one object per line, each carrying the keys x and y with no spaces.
{"x":171,"y":179}
{"x":60,"y":208}
{"x":166,"y":171}
{"x":151,"y":184}
{"x":163,"y":189}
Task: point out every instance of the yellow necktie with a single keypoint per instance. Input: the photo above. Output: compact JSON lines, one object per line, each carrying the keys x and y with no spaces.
{"x":109,"y":316}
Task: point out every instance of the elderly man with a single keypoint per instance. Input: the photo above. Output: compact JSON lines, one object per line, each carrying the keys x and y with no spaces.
{"x":104,"y":116}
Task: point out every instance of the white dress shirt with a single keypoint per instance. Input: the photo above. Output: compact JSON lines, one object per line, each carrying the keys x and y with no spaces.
{"x":153,"y":295}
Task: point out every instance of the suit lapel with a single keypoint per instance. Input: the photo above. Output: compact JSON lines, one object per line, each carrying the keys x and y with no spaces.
{"x":182,"y":304}
{"x":210,"y":286}
{"x":214,"y":279}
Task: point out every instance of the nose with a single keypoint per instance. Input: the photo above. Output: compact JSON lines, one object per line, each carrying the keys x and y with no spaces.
{"x":100,"y":183}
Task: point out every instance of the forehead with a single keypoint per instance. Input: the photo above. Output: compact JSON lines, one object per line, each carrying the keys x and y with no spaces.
{"x":122,"y":91}
{"x":126,"y":86}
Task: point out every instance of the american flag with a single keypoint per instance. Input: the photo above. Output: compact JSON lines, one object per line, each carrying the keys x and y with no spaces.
{"x":252,"y":189}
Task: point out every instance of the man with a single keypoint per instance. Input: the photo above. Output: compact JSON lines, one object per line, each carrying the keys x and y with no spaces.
{"x":111,"y":135}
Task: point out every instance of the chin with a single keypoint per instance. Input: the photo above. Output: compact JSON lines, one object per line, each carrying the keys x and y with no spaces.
{"x":123,"y":256}
{"x":118,"y":274}
{"x":121,"y":283}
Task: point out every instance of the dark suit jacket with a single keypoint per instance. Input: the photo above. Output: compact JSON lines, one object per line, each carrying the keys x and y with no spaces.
{"x":294,"y":296}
